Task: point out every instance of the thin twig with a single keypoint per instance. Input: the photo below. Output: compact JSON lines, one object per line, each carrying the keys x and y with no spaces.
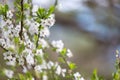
{"x":3,"y":48}
{"x":22,"y":14}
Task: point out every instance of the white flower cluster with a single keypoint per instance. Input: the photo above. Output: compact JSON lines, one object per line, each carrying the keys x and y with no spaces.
{"x":78,"y":76}
{"x":26,"y":58}
{"x":28,"y":50}
{"x":45,"y":25}
{"x":49,"y":66}
{"x":48,"y":22}
{"x":8,"y":32}
{"x":9,"y":73}
{"x":59,"y":45}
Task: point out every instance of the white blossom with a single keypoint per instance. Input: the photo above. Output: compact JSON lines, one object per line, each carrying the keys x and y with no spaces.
{"x":10,"y":27}
{"x":28,"y":22}
{"x":8,"y":73}
{"x":58,"y":45}
{"x":43,"y":65}
{"x":2,"y":43}
{"x":50,"y":64}
{"x":33,"y":78}
{"x":30,"y":44}
{"x":20,"y":61}
{"x":48,"y":22}
{"x":82,"y":78}
{"x":8,"y":21}
{"x":34,"y":28}
{"x":27,"y":50}
{"x":18,"y":27}
{"x":2,"y":24}
{"x":77,"y":76}
{"x":63,"y":72}
{"x":30,"y":59}
{"x":43,"y":43}
{"x":34,"y":9}
{"x":26,"y":38}
{"x":69,"y":53}
{"x":11,"y":61}
{"x":39,"y":52}
{"x":38,"y":68}
{"x":9,"y":14}
{"x":45,"y":77}
{"x":44,"y":32}
{"x":7,"y":55}
{"x":58,"y":70}
{"x":24,"y":69}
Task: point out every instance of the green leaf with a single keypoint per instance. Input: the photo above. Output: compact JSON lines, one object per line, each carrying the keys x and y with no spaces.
{"x":26,"y":6}
{"x":72,"y":66}
{"x":35,"y":38}
{"x":63,"y":52}
{"x":21,"y":48}
{"x":18,"y":6}
{"x":16,"y":40}
{"x":11,"y":49}
{"x":41,"y":13}
{"x":116,"y":75}
{"x":95,"y":76}
{"x":3,"y":9}
{"x":39,"y":59}
{"x":21,"y":76}
{"x":29,"y":76}
{"x":6,"y":8}
{"x":60,"y":59}
{"x":39,"y":47}
{"x":50,"y":11}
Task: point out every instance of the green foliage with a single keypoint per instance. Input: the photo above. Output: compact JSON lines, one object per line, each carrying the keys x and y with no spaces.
{"x":39,"y":59}
{"x":50,"y":11}
{"x":27,"y":76}
{"x":35,"y":39}
{"x":116,"y":75}
{"x":63,"y":52}
{"x":16,"y":40}
{"x":3,"y":9}
{"x":95,"y":76}
{"x":72,"y":66}
{"x":60,"y":59}
{"x":21,"y":76}
{"x":21,"y":48}
{"x":26,"y":6}
{"x":43,"y":13}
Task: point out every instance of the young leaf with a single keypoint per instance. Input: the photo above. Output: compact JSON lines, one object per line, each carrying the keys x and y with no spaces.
{"x":95,"y":76}
{"x":63,"y":52}
{"x":21,"y":48}
{"x":26,"y":6}
{"x":72,"y":66}
{"x":21,"y":77}
{"x":50,"y":11}
{"x":16,"y":40}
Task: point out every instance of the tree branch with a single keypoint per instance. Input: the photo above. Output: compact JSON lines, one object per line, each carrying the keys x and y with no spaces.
{"x":3,"y":48}
{"x":22,"y":15}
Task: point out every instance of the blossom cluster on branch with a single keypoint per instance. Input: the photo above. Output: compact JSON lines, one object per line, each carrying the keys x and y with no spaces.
{"x":24,"y":32}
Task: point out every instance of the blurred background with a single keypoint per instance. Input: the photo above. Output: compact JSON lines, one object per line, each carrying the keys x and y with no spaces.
{"x":90,"y":28}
